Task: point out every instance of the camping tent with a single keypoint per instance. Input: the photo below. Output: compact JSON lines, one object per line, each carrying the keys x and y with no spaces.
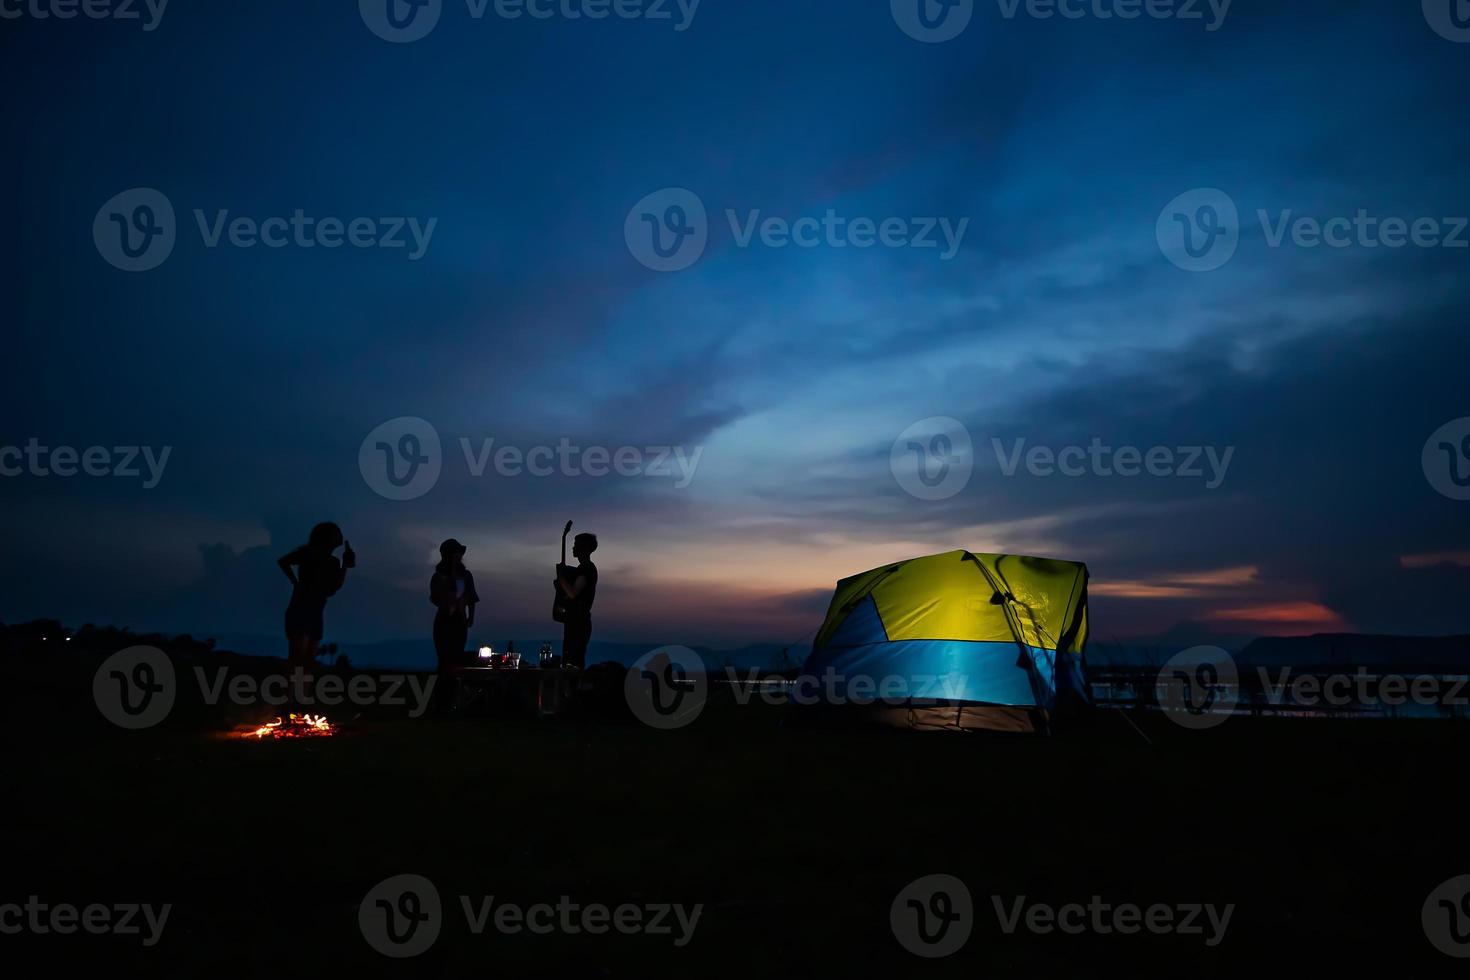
{"x":954,"y":641}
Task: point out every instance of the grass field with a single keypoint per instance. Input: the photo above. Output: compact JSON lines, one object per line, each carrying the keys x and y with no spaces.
{"x":1326,"y":837}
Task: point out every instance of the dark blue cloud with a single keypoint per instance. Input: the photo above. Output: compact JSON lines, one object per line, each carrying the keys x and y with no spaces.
{"x":528,"y":321}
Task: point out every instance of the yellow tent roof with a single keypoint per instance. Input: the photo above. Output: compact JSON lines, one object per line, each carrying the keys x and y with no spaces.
{"x":954,"y":596}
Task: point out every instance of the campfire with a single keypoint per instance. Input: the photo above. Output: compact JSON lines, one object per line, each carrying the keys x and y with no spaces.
{"x":293,"y":726}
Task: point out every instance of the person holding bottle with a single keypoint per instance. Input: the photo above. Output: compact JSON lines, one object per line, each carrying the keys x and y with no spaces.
{"x":315,"y":576}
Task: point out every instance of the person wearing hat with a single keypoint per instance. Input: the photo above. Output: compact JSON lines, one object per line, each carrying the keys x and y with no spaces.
{"x":452,"y":591}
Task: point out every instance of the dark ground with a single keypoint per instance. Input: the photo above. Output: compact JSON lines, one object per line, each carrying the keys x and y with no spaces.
{"x":1327,"y":836}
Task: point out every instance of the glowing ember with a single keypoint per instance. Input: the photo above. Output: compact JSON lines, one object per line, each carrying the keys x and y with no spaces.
{"x":294,"y":726}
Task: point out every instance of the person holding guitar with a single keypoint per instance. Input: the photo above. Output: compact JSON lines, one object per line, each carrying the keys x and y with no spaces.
{"x":576,"y":588}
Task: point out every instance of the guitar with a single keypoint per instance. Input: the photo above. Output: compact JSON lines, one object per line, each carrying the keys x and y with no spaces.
{"x":559,"y":604}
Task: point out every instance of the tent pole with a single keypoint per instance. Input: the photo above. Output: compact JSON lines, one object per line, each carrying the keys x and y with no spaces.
{"x":1006,"y":599}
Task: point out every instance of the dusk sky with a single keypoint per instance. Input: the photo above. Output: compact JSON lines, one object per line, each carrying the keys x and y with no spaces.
{"x":1051,"y":150}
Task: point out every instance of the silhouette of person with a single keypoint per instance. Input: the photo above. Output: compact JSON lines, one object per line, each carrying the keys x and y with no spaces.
{"x":579,"y":585}
{"x":452,"y":591}
{"x":316,"y":576}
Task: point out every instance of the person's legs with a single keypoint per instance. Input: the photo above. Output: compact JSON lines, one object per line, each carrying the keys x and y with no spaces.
{"x":308,"y":666}
{"x":294,"y":645}
{"x":450,"y":635}
{"x":301,"y":655}
{"x":575,"y":637}
{"x":297,"y":645}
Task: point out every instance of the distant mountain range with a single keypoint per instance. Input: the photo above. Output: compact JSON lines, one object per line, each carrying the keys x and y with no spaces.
{"x":1344,"y":651}
{"x":1400,"y":654}
{"x":418,"y":654}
